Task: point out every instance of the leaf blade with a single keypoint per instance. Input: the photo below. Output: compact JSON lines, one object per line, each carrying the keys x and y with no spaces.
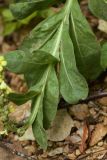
{"x":73,"y":86}
{"x":22,"y":9}
{"x":99,"y":8}
{"x":87,"y":49}
{"x":22,"y":62}
{"x":51,"y":99}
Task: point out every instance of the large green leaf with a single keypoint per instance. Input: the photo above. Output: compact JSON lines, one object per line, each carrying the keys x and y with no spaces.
{"x":36,"y":118}
{"x":73,"y":86}
{"x":43,"y":37}
{"x":47,"y":91}
{"x":104,"y":56}
{"x":87,"y":49}
{"x":42,"y":33}
{"x":21,"y":62}
{"x":99,"y":8}
{"x":51,"y":99}
{"x":22,"y":9}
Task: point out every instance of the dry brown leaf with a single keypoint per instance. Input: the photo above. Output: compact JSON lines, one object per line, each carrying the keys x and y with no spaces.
{"x":99,"y":132}
{"x":83,"y":145}
{"x":61,"y":126}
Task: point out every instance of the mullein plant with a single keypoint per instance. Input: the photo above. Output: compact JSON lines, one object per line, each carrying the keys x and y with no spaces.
{"x":57,"y":59}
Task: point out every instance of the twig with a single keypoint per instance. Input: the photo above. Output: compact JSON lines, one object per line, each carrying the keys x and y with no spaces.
{"x":94,"y":97}
{"x":64,"y":104}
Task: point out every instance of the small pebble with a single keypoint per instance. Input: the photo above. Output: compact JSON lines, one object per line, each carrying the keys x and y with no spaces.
{"x":55,"y":152}
{"x":100,"y":143}
{"x":71,"y":156}
{"x":88,"y":151}
{"x":77,"y":152}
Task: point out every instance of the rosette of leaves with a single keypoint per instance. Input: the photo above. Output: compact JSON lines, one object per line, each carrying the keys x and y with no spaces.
{"x":55,"y":59}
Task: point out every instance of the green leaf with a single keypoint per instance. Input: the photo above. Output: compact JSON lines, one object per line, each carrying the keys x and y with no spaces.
{"x":26,"y":20}
{"x":104,"y":56}
{"x":43,"y":37}
{"x":22,"y":9}
{"x":37,"y":103}
{"x":35,"y":76}
{"x":73,"y":86}
{"x":99,"y":8}
{"x":39,"y":132}
{"x":51,"y":99}
{"x":36,"y":118}
{"x":7,"y":15}
{"x":42,"y":33}
{"x":9,"y":28}
{"x":21,"y":62}
{"x":87,"y":49}
{"x":23,"y":98}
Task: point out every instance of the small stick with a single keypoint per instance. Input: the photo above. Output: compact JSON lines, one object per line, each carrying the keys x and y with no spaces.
{"x":90,"y":98}
{"x":94,"y":97}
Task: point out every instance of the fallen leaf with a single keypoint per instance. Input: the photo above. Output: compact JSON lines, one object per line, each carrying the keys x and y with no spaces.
{"x":99,"y":132}
{"x":83,"y":145}
{"x":61,"y":126}
{"x":80,"y":111}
